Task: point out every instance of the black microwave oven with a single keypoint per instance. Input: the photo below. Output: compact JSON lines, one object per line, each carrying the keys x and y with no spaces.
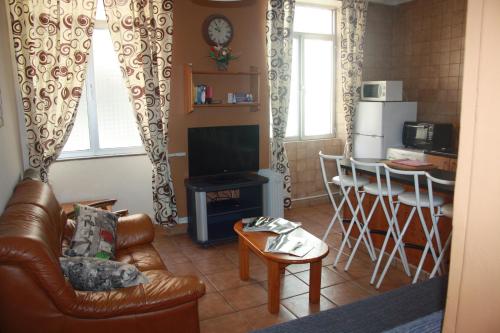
{"x":427,"y":136}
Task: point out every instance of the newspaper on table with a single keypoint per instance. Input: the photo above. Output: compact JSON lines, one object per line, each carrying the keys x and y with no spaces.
{"x":277,"y":225}
{"x":288,"y":244}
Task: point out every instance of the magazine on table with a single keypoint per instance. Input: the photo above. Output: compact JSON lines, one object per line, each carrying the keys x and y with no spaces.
{"x":288,"y":244}
{"x":277,"y":225}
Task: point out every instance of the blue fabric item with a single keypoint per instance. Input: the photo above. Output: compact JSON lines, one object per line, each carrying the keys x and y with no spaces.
{"x":429,"y":324}
{"x":375,"y":314}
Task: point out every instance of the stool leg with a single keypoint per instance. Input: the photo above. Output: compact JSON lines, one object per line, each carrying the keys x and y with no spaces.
{"x":365,"y":227}
{"x":441,"y":256}
{"x":426,"y":233}
{"x":342,"y":245}
{"x":396,"y":245}
{"x":390,"y":232}
{"x":336,"y":217}
{"x":365,"y":222}
{"x":395,"y":234}
{"x":351,"y":225}
{"x":434,"y":233}
{"x":368,"y":244}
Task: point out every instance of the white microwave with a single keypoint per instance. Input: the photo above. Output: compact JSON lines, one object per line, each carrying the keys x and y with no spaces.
{"x":382,"y":91}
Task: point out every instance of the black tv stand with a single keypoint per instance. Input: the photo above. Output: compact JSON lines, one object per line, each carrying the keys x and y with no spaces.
{"x":212,"y":220}
{"x":229,"y":177}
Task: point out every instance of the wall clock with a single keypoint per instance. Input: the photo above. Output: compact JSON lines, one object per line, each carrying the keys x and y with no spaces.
{"x":217,"y":30}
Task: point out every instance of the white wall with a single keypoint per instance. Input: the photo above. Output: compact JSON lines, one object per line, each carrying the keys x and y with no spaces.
{"x":126,"y":178}
{"x":10,"y":151}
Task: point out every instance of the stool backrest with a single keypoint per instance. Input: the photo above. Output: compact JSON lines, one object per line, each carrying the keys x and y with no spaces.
{"x":326,"y":179}
{"x":413,"y":174}
{"x":430,"y":188}
{"x":377,"y":167}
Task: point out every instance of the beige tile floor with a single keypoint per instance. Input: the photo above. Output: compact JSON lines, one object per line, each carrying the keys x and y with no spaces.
{"x":232,"y":305}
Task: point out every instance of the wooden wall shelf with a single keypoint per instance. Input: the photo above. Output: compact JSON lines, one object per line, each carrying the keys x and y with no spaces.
{"x":225,"y":105}
{"x":226,"y":80}
{"x":223,"y":73}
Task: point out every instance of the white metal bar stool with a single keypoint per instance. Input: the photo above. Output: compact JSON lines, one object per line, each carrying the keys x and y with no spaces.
{"x":436,"y":212}
{"x":415,"y":199}
{"x":345,"y":183}
{"x":380,"y":191}
{"x":447,"y":210}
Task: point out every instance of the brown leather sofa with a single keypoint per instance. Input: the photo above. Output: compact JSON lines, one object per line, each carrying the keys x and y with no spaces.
{"x":35,"y":296}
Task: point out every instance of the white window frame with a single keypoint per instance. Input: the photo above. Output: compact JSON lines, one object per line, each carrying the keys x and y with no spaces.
{"x":300,"y":36}
{"x":95,"y":150}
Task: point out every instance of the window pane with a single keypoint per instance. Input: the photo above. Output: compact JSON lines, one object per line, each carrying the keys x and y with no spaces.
{"x":313,"y":20}
{"x":292,"y":128}
{"x":318,"y":85}
{"x":79,"y":138}
{"x":115,"y":118}
{"x":100,"y":12}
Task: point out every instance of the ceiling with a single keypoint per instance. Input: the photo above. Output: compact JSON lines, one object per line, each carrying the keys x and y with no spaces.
{"x":390,"y":2}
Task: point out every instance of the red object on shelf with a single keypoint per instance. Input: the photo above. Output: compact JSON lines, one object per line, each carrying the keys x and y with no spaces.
{"x":209,"y":92}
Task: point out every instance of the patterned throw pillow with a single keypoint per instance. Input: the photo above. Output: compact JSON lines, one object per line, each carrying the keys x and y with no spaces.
{"x":94,"y":274}
{"x":95,"y":233}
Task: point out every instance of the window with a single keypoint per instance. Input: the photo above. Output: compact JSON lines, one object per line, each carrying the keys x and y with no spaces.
{"x":105,"y":123}
{"x":312,"y":99}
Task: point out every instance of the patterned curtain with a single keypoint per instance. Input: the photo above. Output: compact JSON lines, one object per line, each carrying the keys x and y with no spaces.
{"x":52,"y":39}
{"x":352,"y":35}
{"x":142,"y":36}
{"x":279,"y":40}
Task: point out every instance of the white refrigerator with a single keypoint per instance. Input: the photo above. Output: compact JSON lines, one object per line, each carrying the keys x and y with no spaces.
{"x":379,"y":125}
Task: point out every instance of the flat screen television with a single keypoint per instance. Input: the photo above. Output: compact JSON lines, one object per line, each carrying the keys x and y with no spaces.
{"x":223,"y":150}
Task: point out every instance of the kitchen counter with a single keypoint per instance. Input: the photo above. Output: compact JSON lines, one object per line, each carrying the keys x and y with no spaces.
{"x":415,"y":239}
{"x":408,"y":180}
{"x":441,"y":153}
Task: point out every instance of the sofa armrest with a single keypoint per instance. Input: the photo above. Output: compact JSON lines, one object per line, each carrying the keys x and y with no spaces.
{"x":133,"y":230}
{"x":162,"y":292}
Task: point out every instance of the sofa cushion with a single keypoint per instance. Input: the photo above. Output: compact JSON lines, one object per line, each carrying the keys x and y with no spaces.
{"x":95,"y":233}
{"x":144,"y":257}
{"x":163,"y":290}
{"x":94,"y":274}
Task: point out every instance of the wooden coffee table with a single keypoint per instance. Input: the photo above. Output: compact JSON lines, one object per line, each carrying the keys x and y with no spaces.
{"x":276,"y":263}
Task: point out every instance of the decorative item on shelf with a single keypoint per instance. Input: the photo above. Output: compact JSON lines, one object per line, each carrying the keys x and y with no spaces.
{"x":243,"y":97}
{"x":209,"y":95}
{"x":221,"y":55}
{"x":202,"y":96}
{"x":239,"y":98}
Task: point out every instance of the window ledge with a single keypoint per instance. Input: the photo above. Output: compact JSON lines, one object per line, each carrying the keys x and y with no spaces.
{"x":91,"y":157}
{"x":328,"y":138}
{"x":112,"y":155}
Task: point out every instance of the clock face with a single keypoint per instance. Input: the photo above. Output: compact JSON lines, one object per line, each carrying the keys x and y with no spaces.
{"x":217,"y":30}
